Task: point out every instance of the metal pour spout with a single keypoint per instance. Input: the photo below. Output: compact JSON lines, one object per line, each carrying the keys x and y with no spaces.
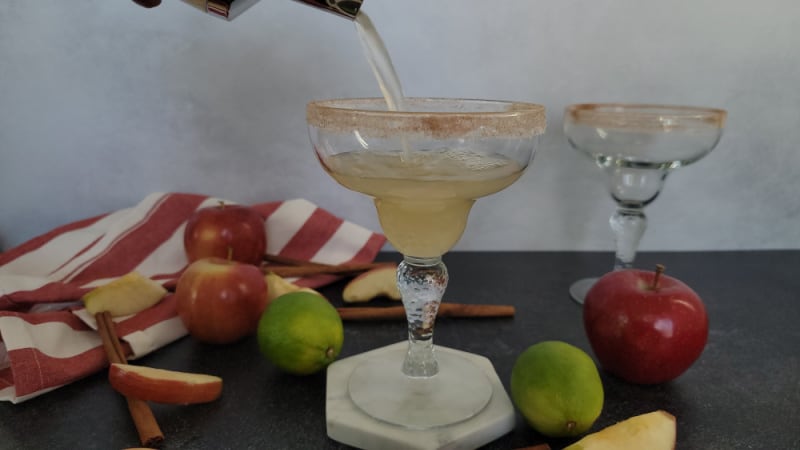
{"x":229,"y":9}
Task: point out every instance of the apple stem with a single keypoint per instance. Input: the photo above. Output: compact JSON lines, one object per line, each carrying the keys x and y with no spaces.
{"x":230,"y":253}
{"x":222,"y":204}
{"x":659,"y":270}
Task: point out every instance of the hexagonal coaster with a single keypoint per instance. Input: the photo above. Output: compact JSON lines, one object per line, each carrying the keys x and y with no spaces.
{"x":346,"y":423}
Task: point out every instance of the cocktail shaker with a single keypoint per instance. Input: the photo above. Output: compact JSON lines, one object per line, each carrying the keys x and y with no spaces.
{"x":229,"y":9}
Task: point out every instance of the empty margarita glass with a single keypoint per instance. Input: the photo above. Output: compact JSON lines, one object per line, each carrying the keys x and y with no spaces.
{"x":638,"y":145}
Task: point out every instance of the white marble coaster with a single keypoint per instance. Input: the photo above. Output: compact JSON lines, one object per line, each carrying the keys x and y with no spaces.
{"x":347,"y":424}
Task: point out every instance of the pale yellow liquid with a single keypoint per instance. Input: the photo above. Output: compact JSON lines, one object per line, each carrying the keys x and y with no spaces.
{"x":423,"y":199}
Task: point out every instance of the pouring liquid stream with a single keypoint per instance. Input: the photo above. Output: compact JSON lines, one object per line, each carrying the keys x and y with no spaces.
{"x":382,"y":67}
{"x":380,"y":62}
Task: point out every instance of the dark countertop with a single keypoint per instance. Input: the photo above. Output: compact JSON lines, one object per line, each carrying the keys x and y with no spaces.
{"x":743,"y":392}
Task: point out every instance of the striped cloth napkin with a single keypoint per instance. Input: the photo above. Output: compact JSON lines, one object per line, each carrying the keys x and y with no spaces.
{"x":46,"y":338}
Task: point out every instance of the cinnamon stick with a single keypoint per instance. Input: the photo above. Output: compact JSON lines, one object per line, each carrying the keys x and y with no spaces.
{"x":112,"y":333}
{"x":149,"y":432}
{"x":105,"y":336}
{"x":445,"y":310}
{"x":286,"y":261}
{"x":319,"y":269}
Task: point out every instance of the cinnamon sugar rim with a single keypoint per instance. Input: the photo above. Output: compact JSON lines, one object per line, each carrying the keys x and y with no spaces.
{"x":645,"y":116}
{"x":438,"y":118}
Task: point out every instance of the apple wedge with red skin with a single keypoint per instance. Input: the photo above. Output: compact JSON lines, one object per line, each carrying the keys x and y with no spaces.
{"x":643,"y":326}
{"x":164,"y":386}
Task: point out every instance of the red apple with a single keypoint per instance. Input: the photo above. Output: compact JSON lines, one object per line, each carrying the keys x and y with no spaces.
{"x":643,"y":326}
{"x":226,"y":231}
{"x":220,"y":301}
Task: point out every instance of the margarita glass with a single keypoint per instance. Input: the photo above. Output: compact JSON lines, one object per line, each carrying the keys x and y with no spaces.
{"x":638,"y":145}
{"x":424,"y":167}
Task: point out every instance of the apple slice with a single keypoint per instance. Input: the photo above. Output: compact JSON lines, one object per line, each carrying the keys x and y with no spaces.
{"x":128,"y":294}
{"x":163,"y":386}
{"x":653,"y":431}
{"x":377,"y":282}
{"x":277,"y":286}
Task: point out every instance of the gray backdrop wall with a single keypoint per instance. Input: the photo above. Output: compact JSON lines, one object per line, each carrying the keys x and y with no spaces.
{"x":103,"y":102}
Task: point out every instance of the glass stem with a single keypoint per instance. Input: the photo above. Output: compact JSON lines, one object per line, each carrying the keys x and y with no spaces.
{"x":422,"y":282}
{"x":628,"y":224}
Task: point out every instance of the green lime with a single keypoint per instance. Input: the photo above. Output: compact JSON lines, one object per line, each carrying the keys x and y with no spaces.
{"x":557,"y":389}
{"x":300,"y":332}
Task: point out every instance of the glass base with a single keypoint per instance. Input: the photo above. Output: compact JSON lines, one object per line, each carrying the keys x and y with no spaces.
{"x":579,"y":289}
{"x":458,"y":392}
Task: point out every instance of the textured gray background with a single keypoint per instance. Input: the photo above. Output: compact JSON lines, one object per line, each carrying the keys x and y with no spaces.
{"x":103,"y":102}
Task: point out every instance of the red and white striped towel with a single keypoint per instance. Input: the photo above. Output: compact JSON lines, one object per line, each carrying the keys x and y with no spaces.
{"x":46,"y":338}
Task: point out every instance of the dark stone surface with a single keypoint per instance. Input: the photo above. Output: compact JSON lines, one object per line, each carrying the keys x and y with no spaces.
{"x":743,"y":392}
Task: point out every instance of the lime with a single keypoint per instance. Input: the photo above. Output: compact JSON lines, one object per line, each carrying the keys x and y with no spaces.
{"x":557,"y":389}
{"x":300,"y":332}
